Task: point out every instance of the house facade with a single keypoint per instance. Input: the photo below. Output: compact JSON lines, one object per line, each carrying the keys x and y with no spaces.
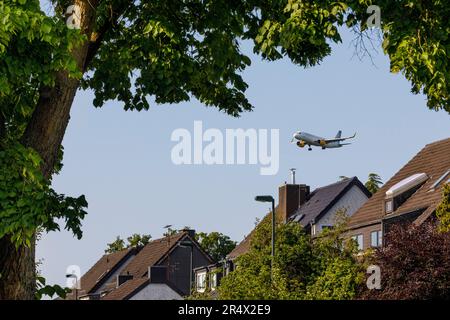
{"x":410,"y":196}
{"x":162,"y":269}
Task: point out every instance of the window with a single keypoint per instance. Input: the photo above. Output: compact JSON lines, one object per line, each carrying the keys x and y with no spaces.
{"x":376,"y":239}
{"x":389,"y":206}
{"x":201,"y":281}
{"x":359,"y":240}
{"x":213,"y":280}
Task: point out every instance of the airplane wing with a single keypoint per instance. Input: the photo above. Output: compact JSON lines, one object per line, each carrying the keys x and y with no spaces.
{"x":339,"y":139}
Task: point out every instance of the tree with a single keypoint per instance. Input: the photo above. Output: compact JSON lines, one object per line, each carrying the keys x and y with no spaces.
{"x":414,"y":263}
{"x":137,"y":240}
{"x":216,"y":244}
{"x":443,"y":210}
{"x":373,"y":183}
{"x":134,"y":240}
{"x":323,"y":268}
{"x":116,"y":245}
{"x":129,"y":50}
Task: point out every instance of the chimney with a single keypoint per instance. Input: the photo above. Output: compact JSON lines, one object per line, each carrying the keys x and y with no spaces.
{"x":290,"y":197}
{"x":292,"y":170}
{"x":190,"y":232}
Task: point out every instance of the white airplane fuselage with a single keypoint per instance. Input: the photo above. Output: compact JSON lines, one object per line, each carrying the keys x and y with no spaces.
{"x":308,"y":139}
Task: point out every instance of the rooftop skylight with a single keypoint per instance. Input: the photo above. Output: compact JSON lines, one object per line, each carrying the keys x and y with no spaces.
{"x":406,"y":184}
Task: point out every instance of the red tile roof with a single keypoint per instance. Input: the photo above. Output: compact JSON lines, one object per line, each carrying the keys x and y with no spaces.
{"x":127,"y":289}
{"x":102,"y":268}
{"x":434,"y":160}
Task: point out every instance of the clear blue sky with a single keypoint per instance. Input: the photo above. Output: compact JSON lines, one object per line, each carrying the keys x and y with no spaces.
{"x":121,"y":160}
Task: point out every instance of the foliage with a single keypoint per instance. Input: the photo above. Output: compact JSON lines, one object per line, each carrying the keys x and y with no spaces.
{"x":24,"y":28}
{"x":26,"y":200}
{"x":443,"y":210}
{"x":415,"y":264}
{"x":45,"y":289}
{"x":216,"y":244}
{"x":304,"y":268}
{"x":373,"y":183}
{"x":175,"y":50}
{"x":134,"y":240}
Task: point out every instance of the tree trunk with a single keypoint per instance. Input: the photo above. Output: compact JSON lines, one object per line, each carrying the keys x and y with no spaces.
{"x":44,"y":133}
{"x":17,"y":271}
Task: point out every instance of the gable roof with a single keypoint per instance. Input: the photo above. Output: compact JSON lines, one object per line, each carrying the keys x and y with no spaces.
{"x":155,"y":251}
{"x":323,"y":199}
{"x":319,"y":202}
{"x":152,"y":253}
{"x":104,"y":267}
{"x":434,"y":160}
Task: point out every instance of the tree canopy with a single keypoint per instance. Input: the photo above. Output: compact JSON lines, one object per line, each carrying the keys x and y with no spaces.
{"x":443,"y":210}
{"x":373,"y":183}
{"x":216,"y":244}
{"x":135,"y":240}
{"x":414,"y":263}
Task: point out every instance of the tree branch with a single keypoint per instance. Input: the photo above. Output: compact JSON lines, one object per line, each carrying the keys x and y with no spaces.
{"x":97,"y":37}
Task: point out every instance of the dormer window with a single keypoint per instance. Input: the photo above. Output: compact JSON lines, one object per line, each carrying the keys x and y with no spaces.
{"x":401,"y":191}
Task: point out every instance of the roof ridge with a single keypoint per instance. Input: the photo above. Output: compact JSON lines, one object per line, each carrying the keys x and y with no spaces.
{"x":349,"y":179}
{"x":165,"y":237}
{"x":436,"y":142}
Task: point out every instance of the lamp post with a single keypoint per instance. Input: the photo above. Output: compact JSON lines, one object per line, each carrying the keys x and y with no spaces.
{"x":188,"y":244}
{"x":270,"y":199}
{"x":71,"y":275}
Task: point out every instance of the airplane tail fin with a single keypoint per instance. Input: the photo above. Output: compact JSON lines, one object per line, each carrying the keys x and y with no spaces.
{"x":338,"y":135}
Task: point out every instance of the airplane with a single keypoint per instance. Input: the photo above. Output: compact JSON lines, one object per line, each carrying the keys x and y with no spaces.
{"x":305,"y":138}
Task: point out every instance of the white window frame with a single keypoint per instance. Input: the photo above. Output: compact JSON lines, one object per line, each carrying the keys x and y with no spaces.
{"x":200,"y":282}
{"x":378,"y":239}
{"x":357,"y":238}
{"x":213,"y":280}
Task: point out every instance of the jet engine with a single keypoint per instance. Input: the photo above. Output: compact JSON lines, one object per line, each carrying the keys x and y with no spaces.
{"x":322,"y":143}
{"x":301,"y":143}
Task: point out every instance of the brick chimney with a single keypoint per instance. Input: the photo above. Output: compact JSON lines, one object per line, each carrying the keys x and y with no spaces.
{"x":290,"y":197}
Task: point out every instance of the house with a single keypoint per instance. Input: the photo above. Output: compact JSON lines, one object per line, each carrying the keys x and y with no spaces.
{"x":162,"y":269}
{"x":315,"y":210}
{"x":410,"y":196}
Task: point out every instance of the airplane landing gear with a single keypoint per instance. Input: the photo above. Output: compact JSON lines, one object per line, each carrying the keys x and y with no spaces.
{"x":309,"y":148}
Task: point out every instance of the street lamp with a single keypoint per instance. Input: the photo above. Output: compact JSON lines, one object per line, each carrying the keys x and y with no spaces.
{"x":71,"y":275}
{"x":188,"y":244}
{"x":270,"y":199}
